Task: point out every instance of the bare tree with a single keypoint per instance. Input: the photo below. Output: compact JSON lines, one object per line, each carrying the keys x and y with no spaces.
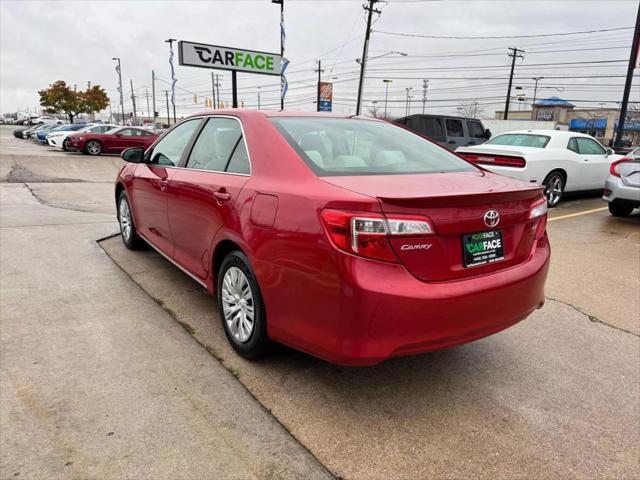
{"x":375,"y":111}
{"x":471,"y":110}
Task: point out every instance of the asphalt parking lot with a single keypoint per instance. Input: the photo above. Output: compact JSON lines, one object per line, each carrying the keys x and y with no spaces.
{"x":95,"y":339}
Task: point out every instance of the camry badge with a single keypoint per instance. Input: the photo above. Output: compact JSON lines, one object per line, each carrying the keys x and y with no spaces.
{"x":491,"y":218}
{"x":423,"y":246}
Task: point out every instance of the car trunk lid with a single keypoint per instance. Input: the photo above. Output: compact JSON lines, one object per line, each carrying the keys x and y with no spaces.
{"x":456,"y":204}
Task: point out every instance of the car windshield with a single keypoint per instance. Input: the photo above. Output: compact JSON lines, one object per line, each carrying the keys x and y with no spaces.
{"x":520,"y":140}
{"x":342,"y":146}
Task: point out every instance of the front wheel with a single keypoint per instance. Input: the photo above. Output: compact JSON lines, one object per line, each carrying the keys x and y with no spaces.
{"x":93,"y":147}
{"x":554,"y":188}
{"x":65,"y":145}
{"x":620,"y":208}
{"x":241,"y":307}
{"x":128,"y":231}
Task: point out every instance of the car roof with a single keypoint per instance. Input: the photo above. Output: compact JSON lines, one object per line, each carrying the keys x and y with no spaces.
{"x":248,"y":113}
{"x":548,"y":133}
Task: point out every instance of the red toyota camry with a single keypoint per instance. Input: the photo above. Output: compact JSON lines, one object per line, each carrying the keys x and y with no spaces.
{"x":114,"y":141}
{"x":351,"y":239}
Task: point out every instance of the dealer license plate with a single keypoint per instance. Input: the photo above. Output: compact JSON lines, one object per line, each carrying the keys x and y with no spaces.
{"x":482,"y":248}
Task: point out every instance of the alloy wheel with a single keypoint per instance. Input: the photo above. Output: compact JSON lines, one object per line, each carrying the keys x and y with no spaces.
{"x":125,"y":219}
{"x":237,"y":304}
{"x":553,"y":190}
{"x":94,"y":148}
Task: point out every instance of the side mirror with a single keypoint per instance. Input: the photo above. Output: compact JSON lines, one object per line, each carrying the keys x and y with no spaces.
{"x":487,"y":134}
{"x":133,"y":155}
{"x":610,"y":151}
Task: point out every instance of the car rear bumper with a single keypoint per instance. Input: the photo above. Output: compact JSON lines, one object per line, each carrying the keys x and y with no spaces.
{"x":615,"y":189}
{"x":386,"y":312}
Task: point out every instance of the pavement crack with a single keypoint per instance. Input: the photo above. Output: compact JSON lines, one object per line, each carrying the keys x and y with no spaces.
{"x":592,"y":318}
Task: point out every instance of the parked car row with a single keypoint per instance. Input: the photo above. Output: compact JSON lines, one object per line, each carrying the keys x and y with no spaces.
{"x":91,"y":139}
{"x":561,"y":161}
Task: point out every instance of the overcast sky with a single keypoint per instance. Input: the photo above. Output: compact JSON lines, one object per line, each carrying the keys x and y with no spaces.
{"x":75,"y":41}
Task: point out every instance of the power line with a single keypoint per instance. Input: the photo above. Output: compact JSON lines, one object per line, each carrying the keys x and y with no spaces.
{"x":496,"y":37}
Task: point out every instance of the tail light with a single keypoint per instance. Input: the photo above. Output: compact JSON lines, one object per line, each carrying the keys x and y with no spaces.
{"x":538,"y":211}
{"x":500,"y":160}
{"x":614,"y":168}
{"x":366,"y":234}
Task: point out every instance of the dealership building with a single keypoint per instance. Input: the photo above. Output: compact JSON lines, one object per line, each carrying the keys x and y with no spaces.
{"x":601,"y":123}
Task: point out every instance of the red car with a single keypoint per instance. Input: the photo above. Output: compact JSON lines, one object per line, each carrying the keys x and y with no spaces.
{"x":114,"y":141}
{"x":352,"y":239}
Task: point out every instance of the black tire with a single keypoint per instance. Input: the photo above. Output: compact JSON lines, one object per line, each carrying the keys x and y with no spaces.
{"x":256,"y":342}
{"x":130,"y":237}
{"x":93,"y":147}
{"x":65,"y":145}
{"x":554,"y":188}
{"x":620,"y":208}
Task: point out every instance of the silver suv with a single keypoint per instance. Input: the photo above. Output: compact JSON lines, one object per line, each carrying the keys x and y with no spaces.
{"x":622,"y":188}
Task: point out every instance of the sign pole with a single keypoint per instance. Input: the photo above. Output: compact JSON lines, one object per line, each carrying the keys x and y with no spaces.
{"x":234,"y":88}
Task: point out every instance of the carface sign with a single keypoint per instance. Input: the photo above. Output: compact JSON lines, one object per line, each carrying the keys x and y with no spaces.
{"x":211,"y":56}
{"x":326,"y":96}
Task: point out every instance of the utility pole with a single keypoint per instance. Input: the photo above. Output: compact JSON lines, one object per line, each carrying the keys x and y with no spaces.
{"x":259,"y":98}
{"x":133,"y":100}
{"x":633,"y":60}
{"x":535,"y":92}
{"x":408,"y":102}
{"x":89,"y":85}
{"x":515,"y":53}
{"x":166,"y":96}
{"x":119,"y":70}
{"x":153,"y":94}
{"x":425,"y":86}
{"x":365,"y":50}
{"x":386,"y":95}
{"x":213,"y":90}
{"x":147,"y":95}
{"x":319,"y":70}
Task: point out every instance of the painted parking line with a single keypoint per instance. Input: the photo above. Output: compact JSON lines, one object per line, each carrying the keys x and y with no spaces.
{"x":586,"y":212}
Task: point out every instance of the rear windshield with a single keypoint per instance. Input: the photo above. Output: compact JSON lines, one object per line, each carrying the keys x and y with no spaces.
{"x":342,"y":146}
{"x":520,"y":140}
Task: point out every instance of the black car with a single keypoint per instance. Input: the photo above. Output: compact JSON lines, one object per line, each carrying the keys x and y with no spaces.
{"x":18,"y":132}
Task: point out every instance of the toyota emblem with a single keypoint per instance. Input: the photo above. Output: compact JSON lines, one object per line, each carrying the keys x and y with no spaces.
{"x":491,"y":218}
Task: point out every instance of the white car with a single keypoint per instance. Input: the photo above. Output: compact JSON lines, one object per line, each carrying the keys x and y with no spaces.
{"x":45,"y":120}
{"x":559,"y":160}
{"x":60,"y":139}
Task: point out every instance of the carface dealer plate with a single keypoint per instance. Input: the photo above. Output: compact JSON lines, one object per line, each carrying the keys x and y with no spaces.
{"x":482,"y":248}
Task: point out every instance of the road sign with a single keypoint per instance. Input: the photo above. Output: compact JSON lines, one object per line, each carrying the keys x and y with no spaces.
{"x":226,"y":58}
{"x":326,"y":96}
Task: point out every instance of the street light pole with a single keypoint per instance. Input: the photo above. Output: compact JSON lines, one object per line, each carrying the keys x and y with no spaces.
{"x":406,"y":113}
{"x":535,"y":92}
{"x":119,"y":70}
{"x":386,"y":95}
{"x":173,"y":76}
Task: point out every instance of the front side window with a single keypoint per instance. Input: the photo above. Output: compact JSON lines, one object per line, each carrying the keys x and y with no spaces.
{"x":454,"y":128}
{"x":432,"y":128}
{"x":342,"y":146}
{"x":587,"y":146}
{"x":128,"y":132}
{"x":220,"y":147}
{"x":520,"y":140}
{"x":168,"y":150}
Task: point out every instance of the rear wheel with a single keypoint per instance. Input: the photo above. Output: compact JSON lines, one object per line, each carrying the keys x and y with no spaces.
{"x":241,"y":307}
{"x":620,"y":208}
{"x":128,"y":231}
{"x":93,"y":147}
{"x":554,"y":188}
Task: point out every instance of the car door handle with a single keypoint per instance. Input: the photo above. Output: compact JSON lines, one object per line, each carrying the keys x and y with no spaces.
{"x":585,"y":159}
{"x":221,"y":196}
{"x":452,"y":142}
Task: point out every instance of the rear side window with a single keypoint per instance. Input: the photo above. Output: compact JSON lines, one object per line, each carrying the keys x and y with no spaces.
{"x":168,"y":150}
{"x":341,"y":146}
{"x":432,"y":128}
{"x":573,"y":145}
{"x":220,"y":148}
{"x":475,"y":129}
{"x":520,"y":140}
{"x":454,"y":128}
{"x":587,"y":146}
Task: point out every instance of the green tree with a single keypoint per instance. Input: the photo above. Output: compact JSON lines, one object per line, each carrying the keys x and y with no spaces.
{"x":59,"y":98}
